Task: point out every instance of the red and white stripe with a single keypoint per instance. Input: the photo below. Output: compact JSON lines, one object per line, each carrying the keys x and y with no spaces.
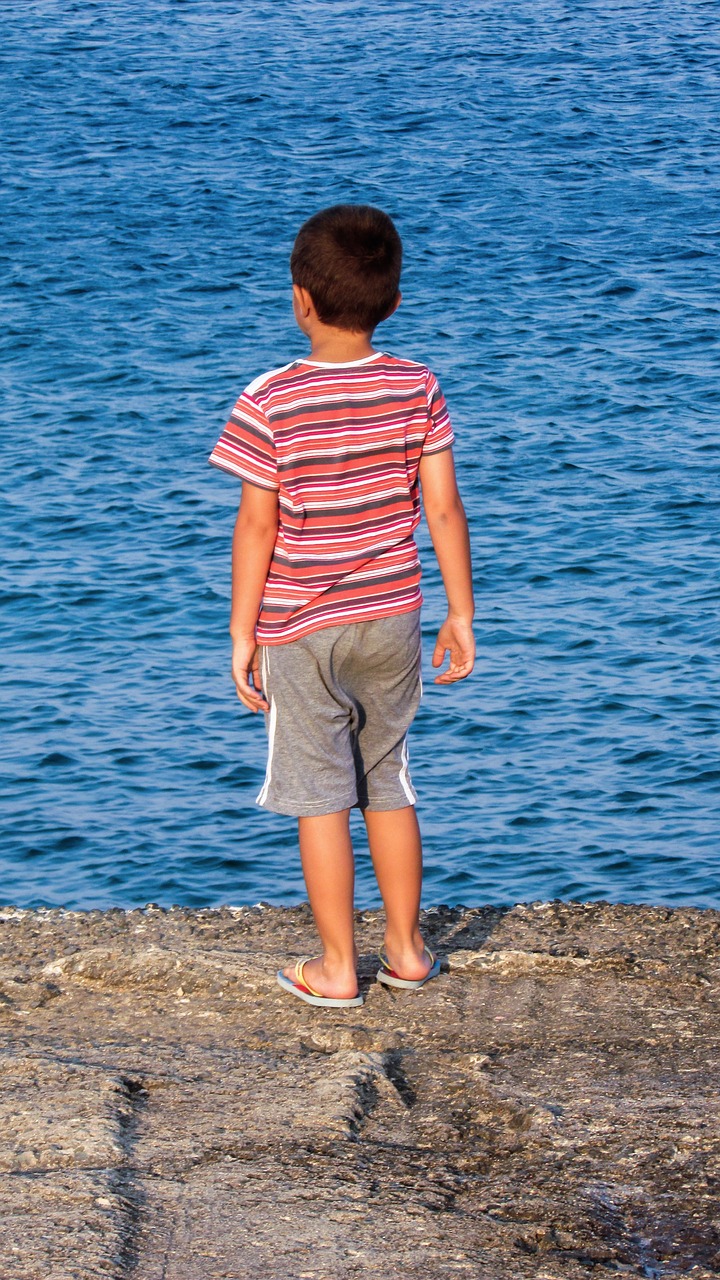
{"x":333,"y":440}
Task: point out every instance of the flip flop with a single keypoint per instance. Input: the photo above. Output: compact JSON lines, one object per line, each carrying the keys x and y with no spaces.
{"x":390,"y":978}
{"x":304,"y":991}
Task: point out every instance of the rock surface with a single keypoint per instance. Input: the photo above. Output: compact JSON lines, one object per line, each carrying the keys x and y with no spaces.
{"x":549,"y":1107}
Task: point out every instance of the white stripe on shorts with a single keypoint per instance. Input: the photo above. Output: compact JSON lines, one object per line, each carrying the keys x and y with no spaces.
{"x":405,"y":776}
{"x":265,"y":667}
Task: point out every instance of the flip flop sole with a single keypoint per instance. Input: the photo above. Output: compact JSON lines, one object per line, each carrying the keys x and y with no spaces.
{"x":407,"y":984}
{"x":323,"y":1002}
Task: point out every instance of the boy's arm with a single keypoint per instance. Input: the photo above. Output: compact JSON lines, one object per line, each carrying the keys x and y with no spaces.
{"x":253,"y":544}
{"x":447,"y":523}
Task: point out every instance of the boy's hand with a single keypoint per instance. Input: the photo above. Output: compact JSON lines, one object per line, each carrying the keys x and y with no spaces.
{"x":246,"y":673}
{"x":455,"y":634}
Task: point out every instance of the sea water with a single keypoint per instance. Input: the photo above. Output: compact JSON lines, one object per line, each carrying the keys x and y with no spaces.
{"x":553,"y":170}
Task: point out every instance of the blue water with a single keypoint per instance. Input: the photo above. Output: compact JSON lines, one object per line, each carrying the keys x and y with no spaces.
{"x":553,"y":169}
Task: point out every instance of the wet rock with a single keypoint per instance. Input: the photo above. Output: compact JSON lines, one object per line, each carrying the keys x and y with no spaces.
{"x":547,"y":1108}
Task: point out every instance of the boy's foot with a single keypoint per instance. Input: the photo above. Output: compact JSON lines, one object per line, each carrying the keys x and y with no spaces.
{"x":323,"y":982}
{"x":410,"y":973}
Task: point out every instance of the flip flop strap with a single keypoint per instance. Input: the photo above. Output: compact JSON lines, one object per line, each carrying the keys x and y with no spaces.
{"x":302,"y":981}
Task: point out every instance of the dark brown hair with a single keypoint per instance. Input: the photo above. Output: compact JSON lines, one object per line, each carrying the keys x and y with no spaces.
{"x":348,"y":257}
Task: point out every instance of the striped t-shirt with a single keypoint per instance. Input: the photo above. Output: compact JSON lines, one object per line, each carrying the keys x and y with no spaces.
{"x":341,"y":445}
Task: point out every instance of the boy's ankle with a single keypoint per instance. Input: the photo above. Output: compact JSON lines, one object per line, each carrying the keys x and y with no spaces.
{"x":403,"y":944}
{"x":337,"y":965}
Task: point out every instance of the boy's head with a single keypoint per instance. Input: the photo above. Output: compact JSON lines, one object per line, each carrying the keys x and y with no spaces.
{"x":348,"y":258}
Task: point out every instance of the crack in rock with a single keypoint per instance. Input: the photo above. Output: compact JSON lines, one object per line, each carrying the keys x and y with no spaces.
{"x":125,"y":1183}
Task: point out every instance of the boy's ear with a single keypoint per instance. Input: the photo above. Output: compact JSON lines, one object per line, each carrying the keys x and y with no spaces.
{"x":395,"y":305}
{"x":303,"y":301}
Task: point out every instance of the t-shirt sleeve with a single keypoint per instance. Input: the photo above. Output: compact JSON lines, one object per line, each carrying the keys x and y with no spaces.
{"x":246,"y":447}
{"x":440,"y":433}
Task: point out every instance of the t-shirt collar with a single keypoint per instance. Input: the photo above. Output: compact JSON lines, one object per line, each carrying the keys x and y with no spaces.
{"x":343,"y":364}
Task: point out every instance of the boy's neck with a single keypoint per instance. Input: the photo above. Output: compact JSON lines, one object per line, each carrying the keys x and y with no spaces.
{"x":339,"y":346}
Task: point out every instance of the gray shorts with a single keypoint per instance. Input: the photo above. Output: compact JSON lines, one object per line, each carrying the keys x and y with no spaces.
{"x":341,"y":702}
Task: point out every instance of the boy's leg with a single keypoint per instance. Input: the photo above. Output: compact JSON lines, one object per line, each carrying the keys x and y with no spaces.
{"x":329,"y":870}
{"x":396,"y":851}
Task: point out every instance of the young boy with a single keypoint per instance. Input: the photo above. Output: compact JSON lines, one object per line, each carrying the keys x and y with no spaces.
{"x":325,"y":617}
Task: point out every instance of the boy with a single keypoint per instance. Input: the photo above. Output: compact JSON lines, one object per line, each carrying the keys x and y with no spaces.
{"x":325,"y":616}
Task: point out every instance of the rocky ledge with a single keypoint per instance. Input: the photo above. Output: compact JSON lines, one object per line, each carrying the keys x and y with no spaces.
{"x":547,"y":1108}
